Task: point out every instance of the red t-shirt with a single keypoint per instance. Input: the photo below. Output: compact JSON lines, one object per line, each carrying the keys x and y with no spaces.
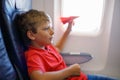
{"x":47,"y":60}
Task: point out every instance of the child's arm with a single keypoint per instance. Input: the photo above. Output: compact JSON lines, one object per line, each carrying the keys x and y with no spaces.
{"x":73,"y":70}
{"x":61,"y":42}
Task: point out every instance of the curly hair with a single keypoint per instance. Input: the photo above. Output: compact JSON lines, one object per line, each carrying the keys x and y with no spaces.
{"x":30,"y":20}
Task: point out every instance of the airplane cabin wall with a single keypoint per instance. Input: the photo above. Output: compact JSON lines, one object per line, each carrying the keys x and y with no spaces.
{"x":113,"y":65}
{"x":105,"y":47}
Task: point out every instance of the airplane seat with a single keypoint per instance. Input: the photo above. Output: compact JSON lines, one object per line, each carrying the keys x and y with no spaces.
{"x":13,"y":43}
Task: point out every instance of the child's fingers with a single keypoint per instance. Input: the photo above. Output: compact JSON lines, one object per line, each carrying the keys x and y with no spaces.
{"x":71,"y":23}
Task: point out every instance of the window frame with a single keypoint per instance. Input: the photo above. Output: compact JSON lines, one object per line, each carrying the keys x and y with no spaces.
{"x":87,"y":33}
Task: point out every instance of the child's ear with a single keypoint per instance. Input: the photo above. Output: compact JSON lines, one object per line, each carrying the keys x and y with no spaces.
{"x":30,"y":35}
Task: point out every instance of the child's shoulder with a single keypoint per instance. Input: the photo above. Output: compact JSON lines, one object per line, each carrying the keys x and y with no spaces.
{"x":31,"y":50}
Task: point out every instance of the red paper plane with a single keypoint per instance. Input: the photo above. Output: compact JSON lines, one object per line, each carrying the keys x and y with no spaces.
{"x":67,"y":19}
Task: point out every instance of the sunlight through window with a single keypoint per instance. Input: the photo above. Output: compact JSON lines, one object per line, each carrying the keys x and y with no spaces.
{"x":89,"y":12}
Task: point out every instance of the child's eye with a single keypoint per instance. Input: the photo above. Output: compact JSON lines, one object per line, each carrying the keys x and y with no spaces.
{"x":47,"y":28}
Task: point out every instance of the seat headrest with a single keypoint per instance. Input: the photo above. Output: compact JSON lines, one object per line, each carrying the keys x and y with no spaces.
{"x":10,"y":6}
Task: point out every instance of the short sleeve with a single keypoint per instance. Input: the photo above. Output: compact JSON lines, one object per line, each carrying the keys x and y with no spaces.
{"x":34,"y":62}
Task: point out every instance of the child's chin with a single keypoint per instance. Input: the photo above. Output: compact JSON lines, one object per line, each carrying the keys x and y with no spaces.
{"x":51,"y":42}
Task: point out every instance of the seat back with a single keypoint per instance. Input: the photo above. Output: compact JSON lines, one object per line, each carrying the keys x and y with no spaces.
{"x":14,"y":45}
{"x":7,"y":71}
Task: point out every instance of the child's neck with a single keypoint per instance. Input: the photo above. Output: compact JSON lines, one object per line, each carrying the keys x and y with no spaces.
{"x":38,"y":46}
{"x":43,"y":47}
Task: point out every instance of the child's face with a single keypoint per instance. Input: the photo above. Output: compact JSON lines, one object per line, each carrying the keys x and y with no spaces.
{"x":43,"y":36}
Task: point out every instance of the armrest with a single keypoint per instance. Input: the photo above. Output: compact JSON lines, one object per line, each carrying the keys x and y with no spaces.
{"x":71,"y":58}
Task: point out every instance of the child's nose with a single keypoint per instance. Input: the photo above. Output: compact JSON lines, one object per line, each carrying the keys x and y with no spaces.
{"x":51,"y":31}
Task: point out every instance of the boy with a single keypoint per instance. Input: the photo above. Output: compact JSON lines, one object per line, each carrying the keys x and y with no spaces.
{"x":43,"y":59}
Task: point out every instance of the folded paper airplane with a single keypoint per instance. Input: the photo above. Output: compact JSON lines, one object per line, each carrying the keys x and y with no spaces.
{"x":65,"y":20}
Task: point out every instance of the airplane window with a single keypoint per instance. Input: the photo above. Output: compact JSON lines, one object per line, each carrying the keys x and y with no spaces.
{"x":89,"y":12}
